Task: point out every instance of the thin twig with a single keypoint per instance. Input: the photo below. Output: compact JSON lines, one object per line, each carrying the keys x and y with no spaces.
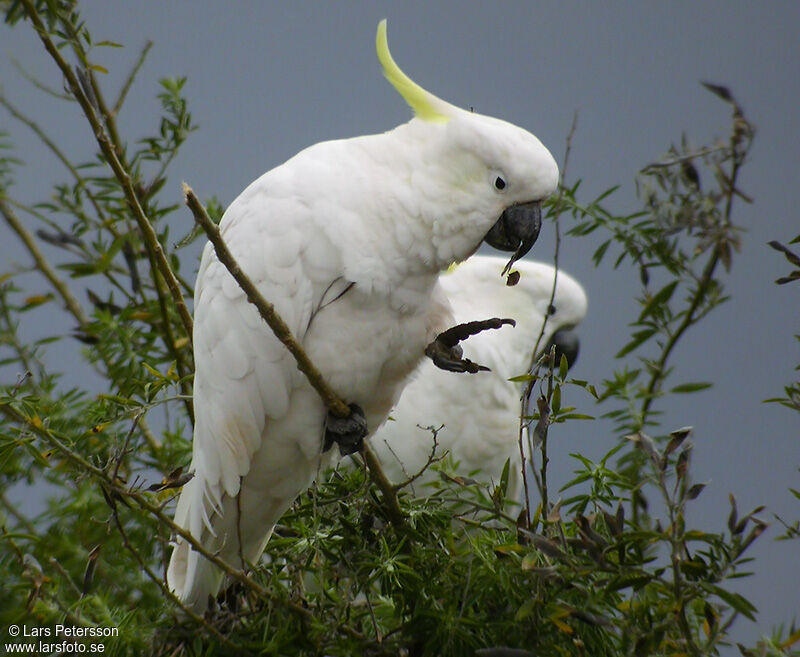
{"x":38,"y":83}
{"x":131,"y":76}
{"x":72,"y":304}
{"x":528,"y":390}
{"x":14,"y":513}
{"x":166,"y":590}
{"x":108,"y":149}
{"x":156,"y":511}
{"x":432,"y":458}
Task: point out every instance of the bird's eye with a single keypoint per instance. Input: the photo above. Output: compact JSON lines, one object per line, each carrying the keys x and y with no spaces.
{"x":499,"y":183}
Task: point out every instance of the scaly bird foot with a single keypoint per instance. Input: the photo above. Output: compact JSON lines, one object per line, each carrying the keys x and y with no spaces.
{"x":447,"y":355}
{"x":348,"y":432}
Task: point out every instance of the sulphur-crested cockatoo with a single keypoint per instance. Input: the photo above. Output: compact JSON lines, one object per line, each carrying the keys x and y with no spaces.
{"x":477,"y":418}
{"x":347,"y":239}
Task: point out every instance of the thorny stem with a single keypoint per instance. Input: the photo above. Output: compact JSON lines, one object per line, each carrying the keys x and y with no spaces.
{"x":284,"y":334}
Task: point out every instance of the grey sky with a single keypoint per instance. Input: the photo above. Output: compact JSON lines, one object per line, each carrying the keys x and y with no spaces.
{"x":267,"y":79}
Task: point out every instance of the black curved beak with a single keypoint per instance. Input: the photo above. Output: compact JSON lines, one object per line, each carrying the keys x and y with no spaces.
{"x":516,"y":230}
{"x":567,"y":344}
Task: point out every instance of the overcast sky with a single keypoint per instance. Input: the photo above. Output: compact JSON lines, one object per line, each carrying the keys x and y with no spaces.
{"x":267,"y":79}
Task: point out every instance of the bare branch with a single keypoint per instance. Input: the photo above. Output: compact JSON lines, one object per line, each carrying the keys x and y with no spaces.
{"x":267,"y":311}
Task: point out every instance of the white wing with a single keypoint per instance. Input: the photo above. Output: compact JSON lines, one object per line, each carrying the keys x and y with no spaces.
{"x":246,"y":382}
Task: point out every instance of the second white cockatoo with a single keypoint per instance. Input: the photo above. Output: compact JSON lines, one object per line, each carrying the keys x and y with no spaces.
{"x":477,"y":418}
{"x":347,"y":240}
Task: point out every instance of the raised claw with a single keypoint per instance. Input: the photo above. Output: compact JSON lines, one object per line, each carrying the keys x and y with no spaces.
{"x":447,"y":355}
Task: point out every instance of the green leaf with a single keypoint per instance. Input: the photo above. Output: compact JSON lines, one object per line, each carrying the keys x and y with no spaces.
{"x":658,"y":299}
{"x":597,"y":256}
{"x":736,"y":601}
{"x":563,"y":367}
{"x":576,"y":416}
{"x":691,"y":387}
{"x":556,"y":402}
{"x":638,"y":339}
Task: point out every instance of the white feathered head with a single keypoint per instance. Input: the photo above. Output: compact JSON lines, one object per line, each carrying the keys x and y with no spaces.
{"x":500,"y":164}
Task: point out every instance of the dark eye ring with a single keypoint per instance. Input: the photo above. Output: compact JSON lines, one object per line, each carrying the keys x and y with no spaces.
{"x":499,"y":183}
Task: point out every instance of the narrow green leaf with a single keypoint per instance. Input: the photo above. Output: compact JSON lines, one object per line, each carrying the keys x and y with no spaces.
{"x":638,"y":339}
{"x":691,"y":387}
{"x":658,"y":299}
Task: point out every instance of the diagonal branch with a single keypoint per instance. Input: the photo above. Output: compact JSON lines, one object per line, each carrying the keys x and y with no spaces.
{"x":72,"y":304}
{"x":265,"y":308}
{"x":284,"y":334}
{"x":123,"y":177}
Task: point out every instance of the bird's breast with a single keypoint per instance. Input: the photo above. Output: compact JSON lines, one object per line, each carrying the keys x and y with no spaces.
{"x":366,"y":350}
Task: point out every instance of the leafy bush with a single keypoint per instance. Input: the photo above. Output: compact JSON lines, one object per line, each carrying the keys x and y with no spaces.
{"x":354,"y":567}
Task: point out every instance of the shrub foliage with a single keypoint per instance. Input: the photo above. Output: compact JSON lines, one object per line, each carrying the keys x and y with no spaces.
{"x":607,"y":565}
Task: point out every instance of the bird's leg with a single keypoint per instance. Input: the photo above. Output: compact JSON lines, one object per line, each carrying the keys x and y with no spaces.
{"x":348,"y":432}
{"x":447,"y":355}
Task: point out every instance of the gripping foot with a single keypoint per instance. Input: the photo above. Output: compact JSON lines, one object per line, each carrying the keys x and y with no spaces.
{"x":348,"y":432}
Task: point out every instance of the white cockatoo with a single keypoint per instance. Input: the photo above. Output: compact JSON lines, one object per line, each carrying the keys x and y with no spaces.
{"x":477,"y":418}
{"x":347,"y":240}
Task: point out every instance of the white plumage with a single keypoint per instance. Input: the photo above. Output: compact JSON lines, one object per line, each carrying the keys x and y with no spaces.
{"x":347,"y":240}
{"x":479,"y":414}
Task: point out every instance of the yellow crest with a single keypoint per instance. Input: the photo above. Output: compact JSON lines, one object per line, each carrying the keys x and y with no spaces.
{"x":426,"y":106}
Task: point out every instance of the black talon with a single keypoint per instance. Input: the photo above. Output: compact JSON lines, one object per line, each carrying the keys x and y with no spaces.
{"x":451,"y":358}
{"x":348,"y":432}
{"x":447,"y":355}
